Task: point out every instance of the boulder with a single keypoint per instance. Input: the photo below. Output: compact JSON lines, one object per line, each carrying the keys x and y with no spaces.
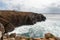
{"x":49,"y":35}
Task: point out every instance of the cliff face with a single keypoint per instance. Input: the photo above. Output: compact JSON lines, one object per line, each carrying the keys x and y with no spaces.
{"x":12,"y":19}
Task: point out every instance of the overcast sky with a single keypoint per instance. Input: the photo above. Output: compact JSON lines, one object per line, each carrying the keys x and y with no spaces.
{"x":41,"y":6}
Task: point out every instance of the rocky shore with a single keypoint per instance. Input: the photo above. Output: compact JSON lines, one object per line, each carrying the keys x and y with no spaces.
{"x":13,"y":36}
{"x":10,"y":19}
{"x":48,"y":36}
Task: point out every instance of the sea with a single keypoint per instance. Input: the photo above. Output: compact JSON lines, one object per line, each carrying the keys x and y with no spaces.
{"x":38,"y":30}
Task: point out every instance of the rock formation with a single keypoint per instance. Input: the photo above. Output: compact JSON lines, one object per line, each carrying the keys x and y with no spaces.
{"x":12,"y":19}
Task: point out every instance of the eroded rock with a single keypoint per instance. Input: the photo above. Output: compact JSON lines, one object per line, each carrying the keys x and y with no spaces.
{"x":12,"y":19}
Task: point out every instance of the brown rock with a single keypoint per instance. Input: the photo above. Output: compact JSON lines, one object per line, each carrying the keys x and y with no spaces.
{"x":49,"y":35}
{"x":52,"y":39}
{"x":36,"y":39}
{"x":11,"y":38}
{"x":29,"y":38}
{"x":7,"y":25}
{"x":44,"y":39}
{"x":17,"y":38}
{"x":5,"y":37}
{"x":12,"y":19}
{"x":20,"y":38}
{"x":39,"y":17}
{"x":13,"y":35}
{"x":57,"y":38}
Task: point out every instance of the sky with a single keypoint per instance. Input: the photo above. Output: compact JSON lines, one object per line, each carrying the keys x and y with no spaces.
{"x":40,"y":6}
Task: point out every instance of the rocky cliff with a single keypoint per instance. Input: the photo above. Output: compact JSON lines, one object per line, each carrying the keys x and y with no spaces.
{"x":12,"y":19}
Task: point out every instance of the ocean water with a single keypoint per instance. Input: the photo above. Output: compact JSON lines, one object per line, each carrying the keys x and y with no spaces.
{"x":51,"y":25}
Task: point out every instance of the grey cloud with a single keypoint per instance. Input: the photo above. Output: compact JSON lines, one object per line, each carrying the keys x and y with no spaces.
{"x":22,"y":7}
